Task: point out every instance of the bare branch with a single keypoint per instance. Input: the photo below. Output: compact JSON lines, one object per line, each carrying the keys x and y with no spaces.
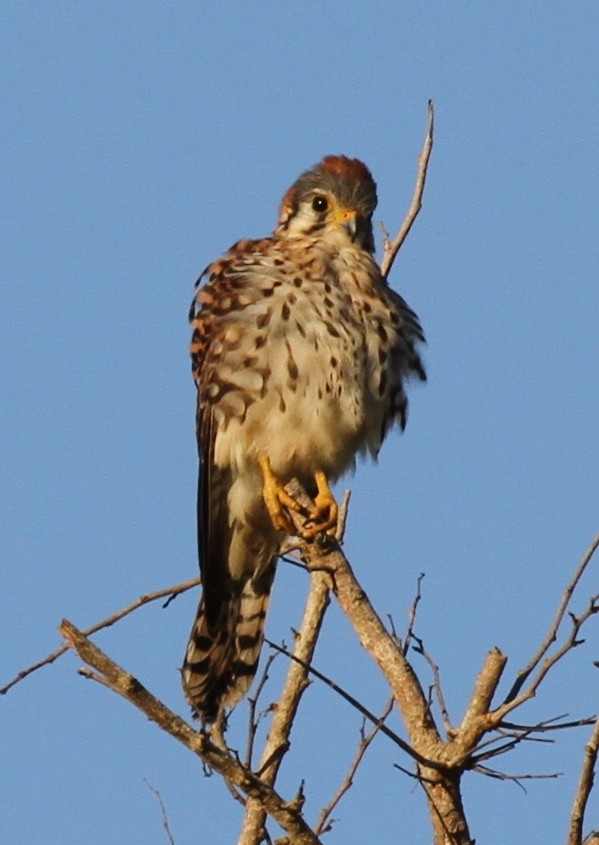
{"x":379,"y":643}
{"x":437,"y":687}
{"x":391,"y":248}
{"x":253,"y":718}
{"x":296,"y":683}
{"x":585,"y":785}
{"x":111,"y":675}
{"x":439,"y":773}
{"x":492,"y":773}
{"x":323,"y":824}
{"x":342,"y":516}
{"x":165,"y":823}
{"x":546,"y":724}
{"x":551,"y":637}
{"x":522,"y":733}
{"x":412,"y":614}
{"x":476,"y":720}
{"x":572,"y":642}
{"x":171,"y":592}
{"x":357,"y":705}
{"x":497,"y":745}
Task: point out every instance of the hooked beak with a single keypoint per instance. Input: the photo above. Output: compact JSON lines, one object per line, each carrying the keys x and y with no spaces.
{"x":356,"y":226}
{"x":348,"y":220}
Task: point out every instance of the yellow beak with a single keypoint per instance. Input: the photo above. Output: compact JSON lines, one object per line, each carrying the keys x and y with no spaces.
{"x":348,"y":220}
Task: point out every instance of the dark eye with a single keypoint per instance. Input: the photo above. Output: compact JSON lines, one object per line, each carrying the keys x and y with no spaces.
{"x":320,"y":204}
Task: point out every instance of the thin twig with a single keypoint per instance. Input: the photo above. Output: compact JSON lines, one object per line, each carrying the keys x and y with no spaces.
{"x":323,"y":824}
{"x":171,"y":592}
{"x":437,"y":688}
{"x":507,"y":744}
{"x":547,"y":726}
{"x":551,"y":637}
{"x":412,"y":614}
{"x":493,"y":773}
{"x":253,"y":719}
{"x":391,"y":248}
{"x":165,"y":823}
{"x":526,"y":733}
{"x":585,"y":785}
{"x":572,"y":642}
{"x":357,"y":705}
{"x":342,"y":516}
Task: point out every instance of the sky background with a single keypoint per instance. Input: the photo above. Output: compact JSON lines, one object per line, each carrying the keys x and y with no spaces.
{"x":139,"y":141}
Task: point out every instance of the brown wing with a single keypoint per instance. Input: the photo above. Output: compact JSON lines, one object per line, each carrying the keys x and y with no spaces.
{"x":237,"y":554}
{"x":213,"y":531}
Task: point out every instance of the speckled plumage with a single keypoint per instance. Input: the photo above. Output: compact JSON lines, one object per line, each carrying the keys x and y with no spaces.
{"x":300,"y":352}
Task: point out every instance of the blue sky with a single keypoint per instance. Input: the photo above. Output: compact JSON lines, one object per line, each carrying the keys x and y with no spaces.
{"x":141,"y":140}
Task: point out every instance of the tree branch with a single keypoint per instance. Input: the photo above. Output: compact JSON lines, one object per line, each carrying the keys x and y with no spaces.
{"x":440,"y":781}
{"x":118,"y":680}
{"x":585,"y":785}
{"x":572,"y":642}
{"x":165,"y":822}
{"x":171,"y":592}
{"x":551,"y":637}
{"x":391,"y":248}
{"x":278,"y":741}
{"x":323,"y":824}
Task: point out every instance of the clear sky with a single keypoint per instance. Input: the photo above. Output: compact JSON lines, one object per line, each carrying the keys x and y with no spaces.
{"x":139,"y":141}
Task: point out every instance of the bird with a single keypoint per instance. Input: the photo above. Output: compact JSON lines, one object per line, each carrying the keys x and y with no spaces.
{"x":300,"y":354}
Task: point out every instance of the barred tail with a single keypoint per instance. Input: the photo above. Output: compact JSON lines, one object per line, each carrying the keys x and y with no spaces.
{"x":220,"y":664}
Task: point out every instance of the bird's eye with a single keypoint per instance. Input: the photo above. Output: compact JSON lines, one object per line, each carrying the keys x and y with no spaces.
{"x":320,"y":204}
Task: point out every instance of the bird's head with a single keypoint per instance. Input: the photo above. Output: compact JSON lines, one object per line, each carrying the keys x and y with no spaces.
{"x":337,"y":197}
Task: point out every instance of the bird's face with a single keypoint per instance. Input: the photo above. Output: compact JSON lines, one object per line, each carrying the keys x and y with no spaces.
{"x":333,"y":202}
{"x":320,"y":213}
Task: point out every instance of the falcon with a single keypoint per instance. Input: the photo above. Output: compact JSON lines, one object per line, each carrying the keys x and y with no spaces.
{"x":300,"y":354}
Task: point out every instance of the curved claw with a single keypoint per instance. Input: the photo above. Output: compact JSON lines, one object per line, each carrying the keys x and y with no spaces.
{"x":278,"y":500}
{"x":323,"y":518}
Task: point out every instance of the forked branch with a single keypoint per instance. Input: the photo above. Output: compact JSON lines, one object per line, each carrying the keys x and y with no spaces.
{"x":552,"y":634}
{"x":106,"y":672}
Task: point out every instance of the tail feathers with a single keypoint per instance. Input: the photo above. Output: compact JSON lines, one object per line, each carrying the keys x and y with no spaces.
{"x":220,"y":663}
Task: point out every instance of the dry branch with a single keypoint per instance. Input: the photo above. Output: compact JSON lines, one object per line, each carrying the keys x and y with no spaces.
{"x":570,"y":643}
{"x":324,"y":823}
{"x":306,"y":638}
{"x":439,"y":773}
{"x":165,"y":822}
{"x":278,"y":740}
{"x":551,"y":637}
{"x":585,"y":785}
{"x":111,"y":675}
{"x":391,"y":248}
{"x":169,"y":592}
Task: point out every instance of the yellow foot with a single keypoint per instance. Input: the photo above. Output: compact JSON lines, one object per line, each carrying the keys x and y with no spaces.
{"x":278,"y":500}
{"x":323,"y":519}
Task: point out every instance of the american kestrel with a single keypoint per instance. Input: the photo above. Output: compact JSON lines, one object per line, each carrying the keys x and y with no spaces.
{"x":300,"y":354}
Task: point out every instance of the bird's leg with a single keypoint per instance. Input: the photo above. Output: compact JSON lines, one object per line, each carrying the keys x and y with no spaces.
{"x":277,"y":499}
{"x":323,"y":519}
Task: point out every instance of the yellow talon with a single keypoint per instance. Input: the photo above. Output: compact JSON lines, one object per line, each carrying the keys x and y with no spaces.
{"x":322,"y":519}
{"x":277,"y":499}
